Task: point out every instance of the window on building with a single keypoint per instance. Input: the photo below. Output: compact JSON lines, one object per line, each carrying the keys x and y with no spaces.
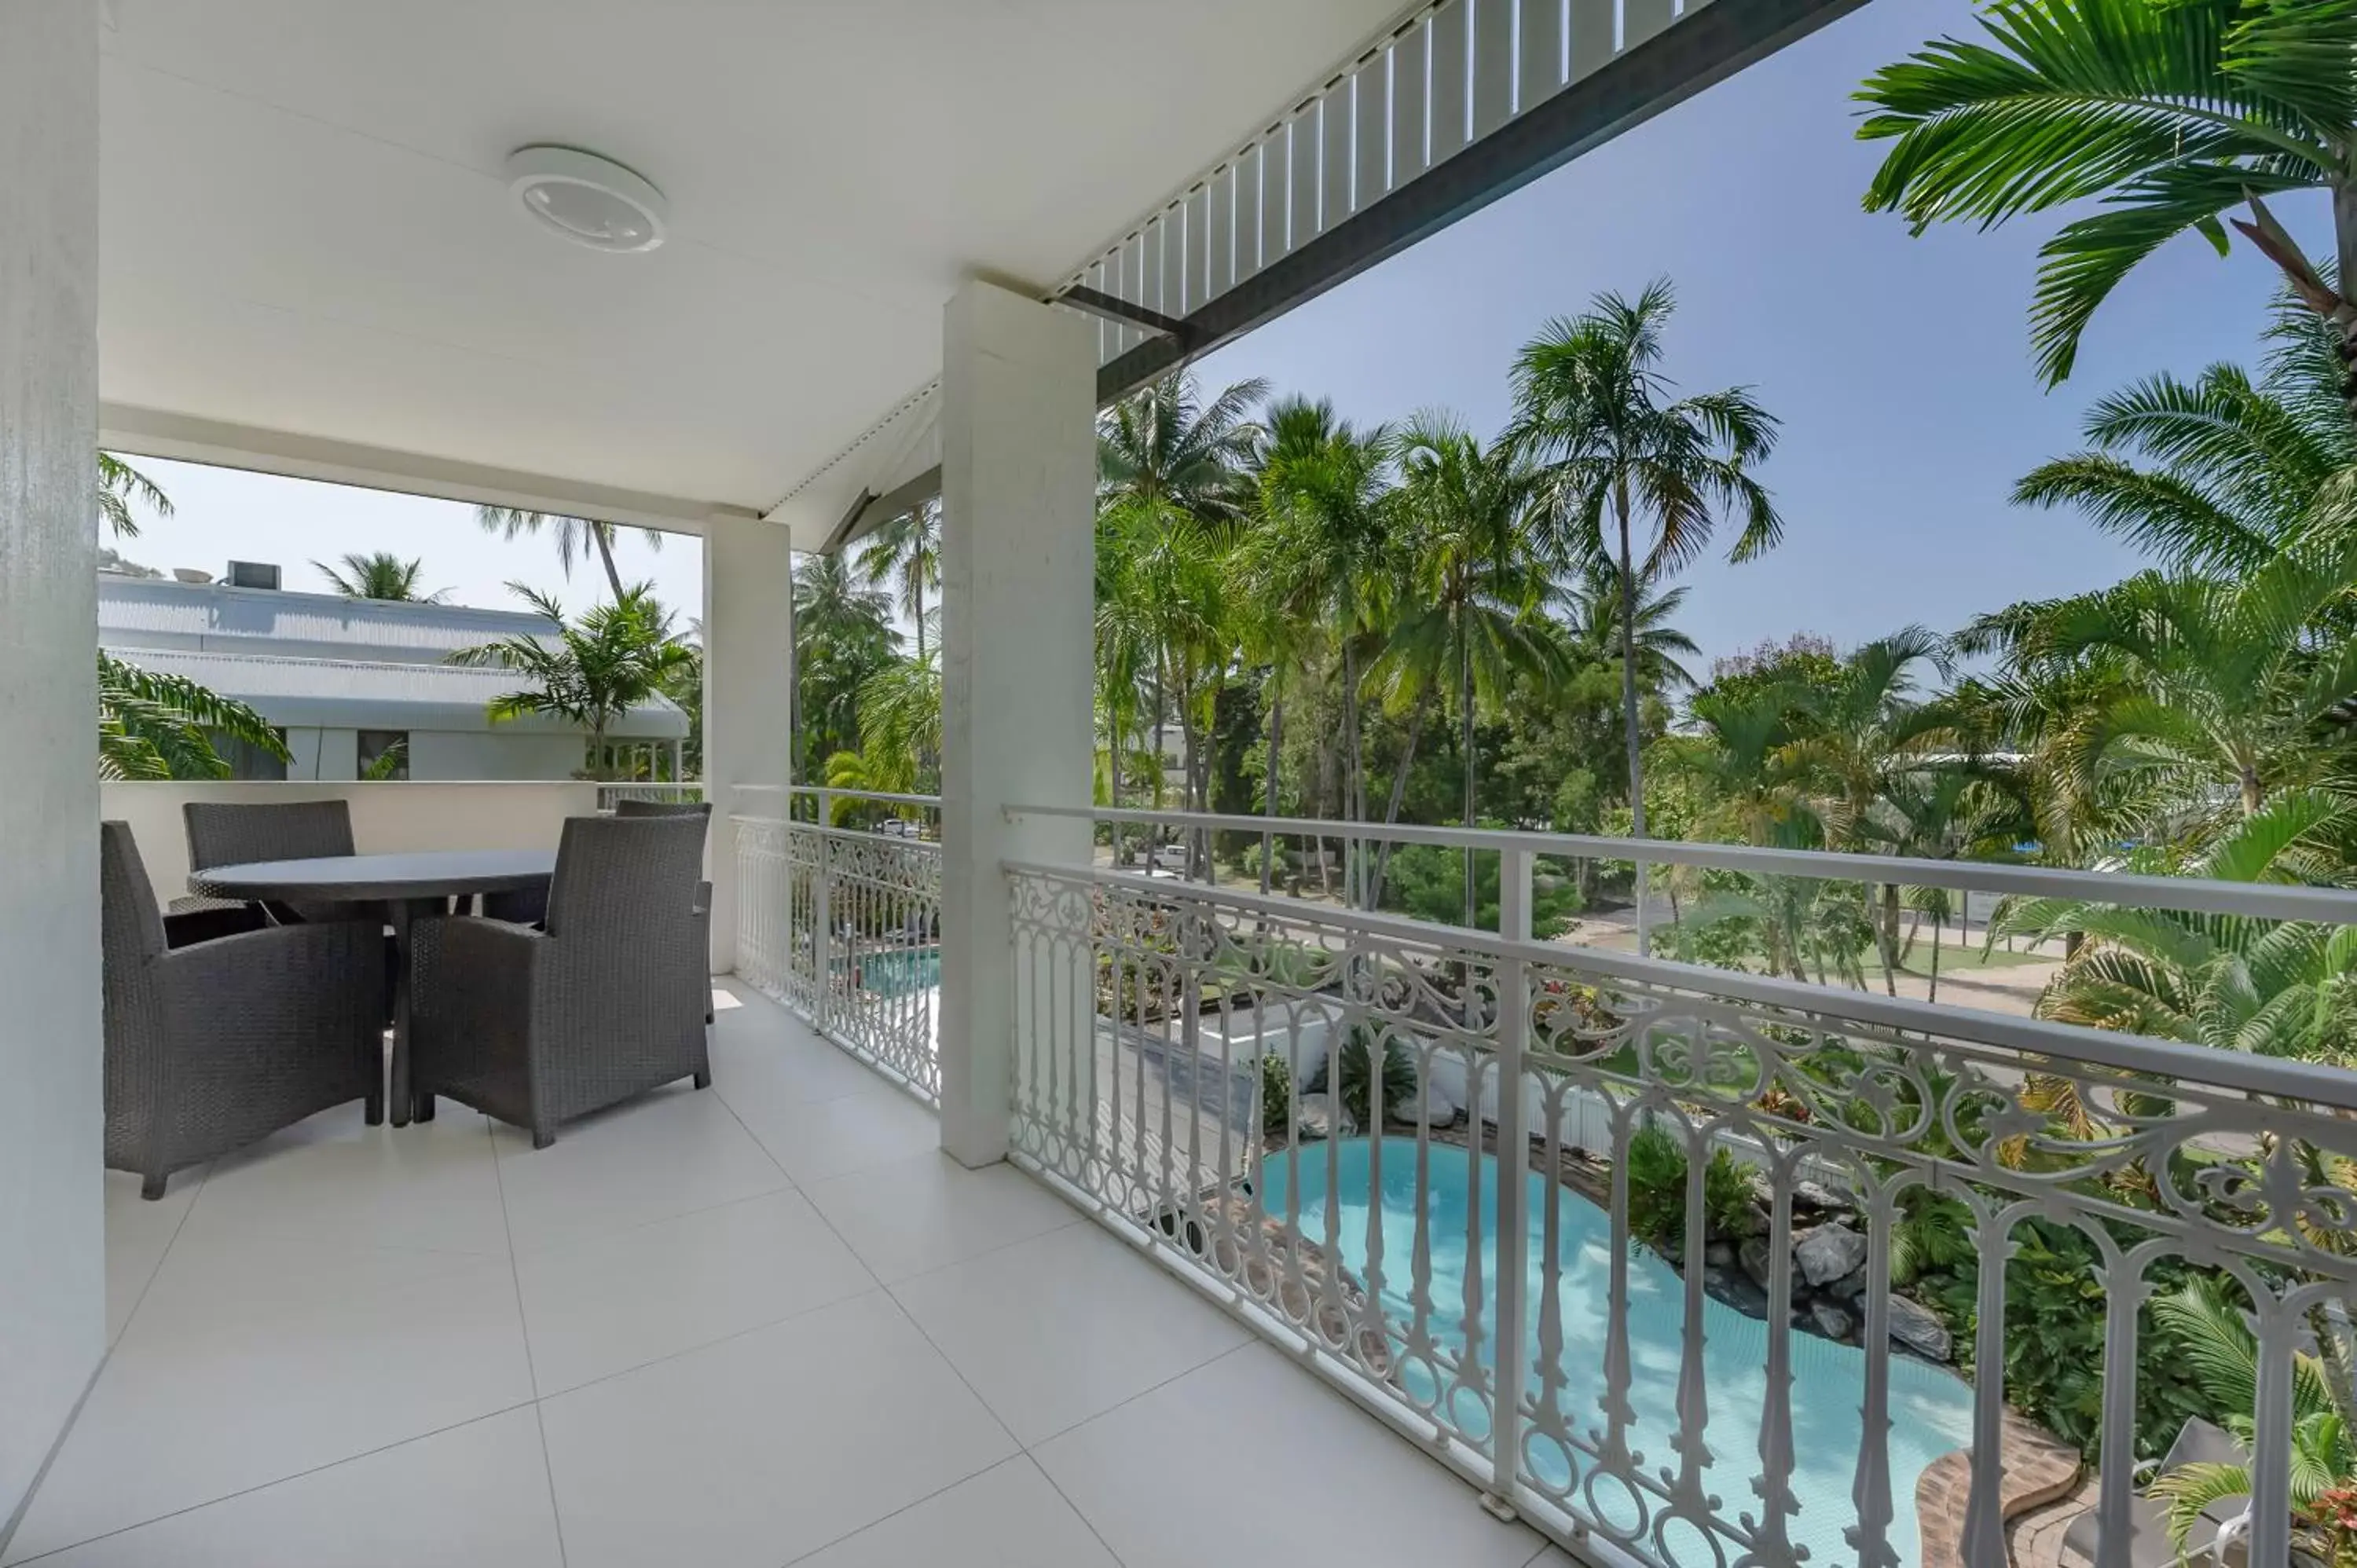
{"x":250,"y":761}
{"x":385,"y":753}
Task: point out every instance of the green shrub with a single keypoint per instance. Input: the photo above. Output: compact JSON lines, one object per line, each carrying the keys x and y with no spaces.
{"x":1657,"y":1193}
{"x":1275,"y":1095}
{"x":1358,"y":1056}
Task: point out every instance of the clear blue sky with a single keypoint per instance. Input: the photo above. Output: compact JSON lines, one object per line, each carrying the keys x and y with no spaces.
{"x":1899,"y":366}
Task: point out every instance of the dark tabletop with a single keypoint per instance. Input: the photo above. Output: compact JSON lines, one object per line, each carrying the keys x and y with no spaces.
{"x":427,"y":874}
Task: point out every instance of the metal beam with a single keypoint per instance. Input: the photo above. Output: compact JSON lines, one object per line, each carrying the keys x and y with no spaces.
{"x":1096,"y":302}
{"x":873,"y":511}
{"x":1697,"y":51}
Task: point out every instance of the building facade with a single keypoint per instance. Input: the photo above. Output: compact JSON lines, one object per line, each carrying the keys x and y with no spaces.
{"x":357,"y":688}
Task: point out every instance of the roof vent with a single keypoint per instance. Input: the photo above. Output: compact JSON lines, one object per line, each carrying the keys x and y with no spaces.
{"x":251,"y":575}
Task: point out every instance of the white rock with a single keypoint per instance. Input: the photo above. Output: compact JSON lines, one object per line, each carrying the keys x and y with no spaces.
{"x":1919,"y":1328}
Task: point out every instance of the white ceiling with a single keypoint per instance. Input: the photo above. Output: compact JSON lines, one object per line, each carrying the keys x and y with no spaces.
{"x":306,"y":230}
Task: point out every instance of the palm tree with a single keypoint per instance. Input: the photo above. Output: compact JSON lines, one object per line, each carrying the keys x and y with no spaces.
{"x":2274,"y":988}
{"x":2169,"y":114}
{"x":615,"y":657}
{"x":1591,"y":601}
{"x":1163,"y":454}
{"x":906,"y":553}
{"x":382,"y":575}
{"x":901,"y":723}
{"x":2215,"y":1337}
{"x":1593,"y":405}
{"x":1863,"y":736}
{"x":120,"y":484}
{"x":2220,"y":473}
{"x":2201,"y":695}
{"x":843,"y":635}
{"x":162,"y":726}
{"x":1319,"y":554}
{"x":1467,"y":617}
{"x":575,"y":536}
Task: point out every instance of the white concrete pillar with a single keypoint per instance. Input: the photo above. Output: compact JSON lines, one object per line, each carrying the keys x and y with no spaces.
{"x":748,"y":686}
{"x":1019,"y":484}
{"x":52,"y":1218}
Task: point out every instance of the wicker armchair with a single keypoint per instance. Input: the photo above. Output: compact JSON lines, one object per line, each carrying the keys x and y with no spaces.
{"x":222,"y":834}
{"x":537,"y":1027}
{"x":530,"y":906}
{"x":701,"y":811}
{"x":213,"y":1044}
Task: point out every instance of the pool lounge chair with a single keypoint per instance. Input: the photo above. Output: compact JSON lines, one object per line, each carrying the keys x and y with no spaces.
{"x":2222,"y":1537}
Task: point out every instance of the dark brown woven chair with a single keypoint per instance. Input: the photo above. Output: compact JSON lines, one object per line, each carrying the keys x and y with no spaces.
{"x":213,"y":1044}
{"x":221,"y":834}
{"x":537,"y":1027}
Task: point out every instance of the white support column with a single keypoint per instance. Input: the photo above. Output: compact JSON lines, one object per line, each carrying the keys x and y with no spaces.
{"x":748,"y":692}
{"x":53,"y":1217}
{"x":1018,"y":481}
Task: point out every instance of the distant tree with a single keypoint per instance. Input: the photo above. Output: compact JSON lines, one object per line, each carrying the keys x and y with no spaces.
{"x":906,"y":553}
{"x":613,"y":658}
{"x":119,"y":485}
{"x":575,"y":536}
{"x":382,"y":575}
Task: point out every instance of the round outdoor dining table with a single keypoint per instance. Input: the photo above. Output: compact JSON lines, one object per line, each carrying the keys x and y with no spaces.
{"x":405,"y":884}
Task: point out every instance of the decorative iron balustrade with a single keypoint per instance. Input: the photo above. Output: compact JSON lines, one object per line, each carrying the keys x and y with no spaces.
{"x":844,"y":927}
{"x":1674,"y":1339}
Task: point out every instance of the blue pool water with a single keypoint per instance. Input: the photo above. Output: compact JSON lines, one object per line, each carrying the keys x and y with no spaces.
{"x":1931,"y":1410}
{"x":899,"y":970}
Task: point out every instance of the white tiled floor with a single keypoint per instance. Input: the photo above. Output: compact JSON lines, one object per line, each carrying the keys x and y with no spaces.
{"x":760,"y":1325}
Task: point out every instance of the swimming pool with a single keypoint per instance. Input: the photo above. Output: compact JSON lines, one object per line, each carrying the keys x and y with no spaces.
{"x":1931,"y":1410}
{"x":897,"y":972}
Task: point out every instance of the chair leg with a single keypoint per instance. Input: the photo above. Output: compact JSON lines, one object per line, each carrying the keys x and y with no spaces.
{"x":152,"y":1187}
{"x":541,"y":1140}
{"x":424,"y":1112}
{"x":372,"y":1108}
{"x":703,"y":1078}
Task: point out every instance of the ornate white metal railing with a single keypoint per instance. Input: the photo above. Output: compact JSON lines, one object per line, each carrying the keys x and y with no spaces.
{"x":610,"y":795}
{"x":1785,"y":1272}
{"x":844,"y":927}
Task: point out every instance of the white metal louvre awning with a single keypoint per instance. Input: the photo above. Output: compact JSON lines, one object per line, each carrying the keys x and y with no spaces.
{"x":333,"y":693}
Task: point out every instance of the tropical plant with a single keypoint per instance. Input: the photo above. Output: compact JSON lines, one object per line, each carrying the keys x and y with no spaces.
{"x":2216,"y":1340}
{"x":120,"y":485}
{"x":1275,"y":1095}
{"x":2170,"y":115}
{"x":906,"y":554}
{"x":381,"y":575}
{"x":575,"y":536}
{"x":1465,"y":619}
{"x":1657,"y":1165}
{"x":2219,"y":473}
{"x":2272,"y":988}
{"x":843,"y":636}
{"x":596,"y":668}
{"x":152,"y":726}
{"x":1359,"y":1050}
{"x":901,"y":725}
{"x":1592,"y":407}
{"x":1590,"y":601}
{"x":1320,"y":557}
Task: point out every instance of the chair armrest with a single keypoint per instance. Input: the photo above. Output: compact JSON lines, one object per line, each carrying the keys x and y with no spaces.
{"x":186,"y":927}
{"x":302,"y":976}
{"x":703,"y":905}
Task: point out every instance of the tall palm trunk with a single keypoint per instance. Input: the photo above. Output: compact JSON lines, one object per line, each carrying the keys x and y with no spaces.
{"x":1934,"y":994}
{"x":597,"y":533}
{"x":1268,"y":779}
{"x":1629,"y":670}
{"x":1354,"y":777}
{"x":1399,"y":794}
{"x":916,"y":595}
{"x":1465,"y":756}
{"x":1886,"y":936}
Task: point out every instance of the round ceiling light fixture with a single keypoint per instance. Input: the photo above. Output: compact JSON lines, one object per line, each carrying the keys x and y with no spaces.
{"x":590,"y":200}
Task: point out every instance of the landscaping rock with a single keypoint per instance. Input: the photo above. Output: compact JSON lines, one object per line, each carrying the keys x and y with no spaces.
{"x":1318,"y":1117}
{"x":1817,"y":1195}
{"x":1850,"y":1287}
{"x":1719,"y":1255}
{"x":1831,"y":1321}
{"x":1440,"y":1108}
{"x":1732,"y":1288}
{"x":1753,"y":1257}
{"x":1827,"y":1254}
{"x":1919,"y":1328}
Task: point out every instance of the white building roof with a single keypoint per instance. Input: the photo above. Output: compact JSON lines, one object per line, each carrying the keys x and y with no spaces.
{"x":327,"y":660}
{"x":353,"y":694}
